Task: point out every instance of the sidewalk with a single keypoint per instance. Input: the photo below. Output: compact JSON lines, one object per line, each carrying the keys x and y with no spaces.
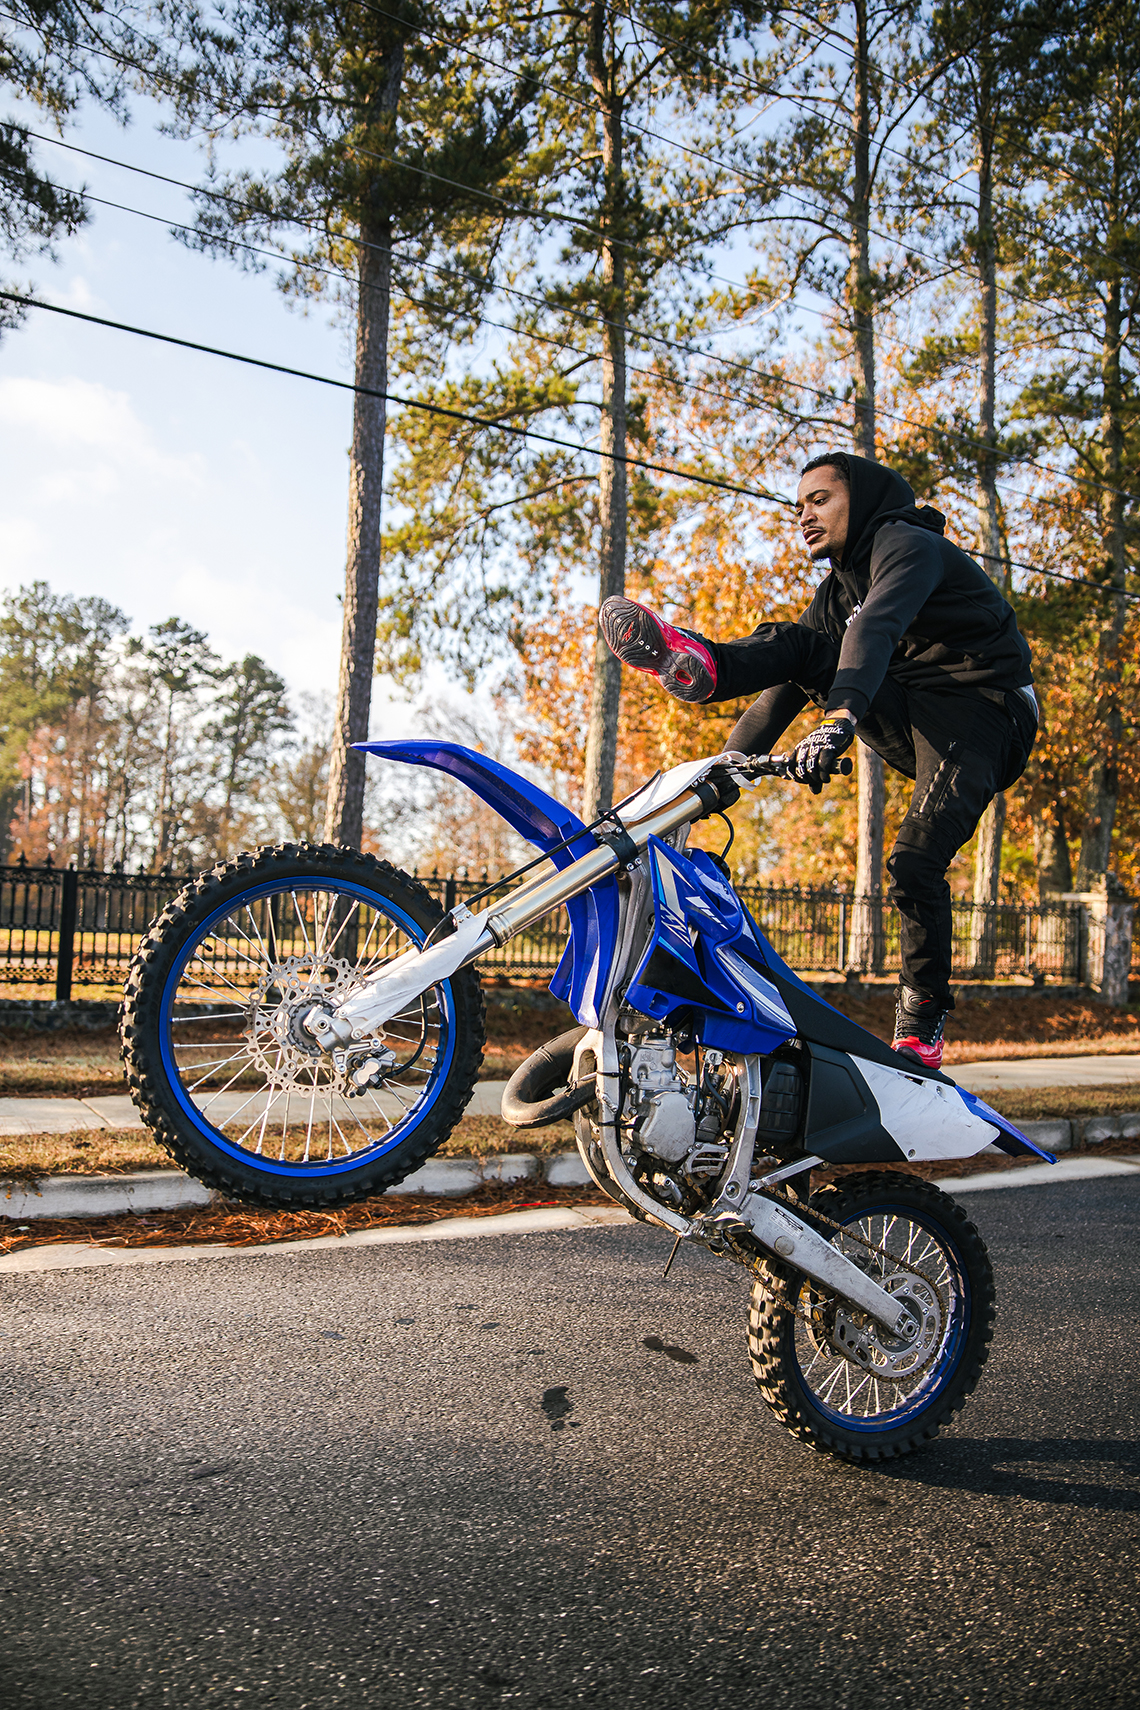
{"x":1036,"y":1072}
{"x":170,"y":1189}
{"x":65,"y":1115}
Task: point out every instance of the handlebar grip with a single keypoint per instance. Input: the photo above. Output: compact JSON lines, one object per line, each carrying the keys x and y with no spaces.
{"x":845,"y":766}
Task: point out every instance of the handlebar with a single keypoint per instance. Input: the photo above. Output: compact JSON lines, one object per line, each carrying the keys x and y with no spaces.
{"x":779,"y":766}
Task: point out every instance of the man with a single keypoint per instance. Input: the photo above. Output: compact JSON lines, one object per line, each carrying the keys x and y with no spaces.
{"x":907,"y":641}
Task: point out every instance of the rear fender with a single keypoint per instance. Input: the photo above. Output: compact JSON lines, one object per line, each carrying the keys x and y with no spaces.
{"x":1008,"y":1139}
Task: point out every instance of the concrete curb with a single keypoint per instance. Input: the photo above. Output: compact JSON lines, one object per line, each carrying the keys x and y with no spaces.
{"x":452,"y":1178}
{"x":170,"y":1190}
{"x":101,"y":1196}
{"x":1040,"y":1175}
{"x":80,"y":1255}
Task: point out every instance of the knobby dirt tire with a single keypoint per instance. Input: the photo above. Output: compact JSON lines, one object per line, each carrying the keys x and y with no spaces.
{"x":772,"y":1332}
{"x":152,"y":981}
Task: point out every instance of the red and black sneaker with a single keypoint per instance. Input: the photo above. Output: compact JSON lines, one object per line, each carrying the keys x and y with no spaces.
{"x":640,"y":639}
{"x":918,"y":1028}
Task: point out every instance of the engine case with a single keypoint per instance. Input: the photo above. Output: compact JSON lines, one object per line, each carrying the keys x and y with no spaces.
{"x":665,"y":1123}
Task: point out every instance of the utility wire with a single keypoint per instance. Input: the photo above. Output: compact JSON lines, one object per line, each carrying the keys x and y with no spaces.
{"x":588,"y":101}
{"x":488,"y":422}
{"x":747,"y":369}
{"x":750,"y":400}
{"x":558,"y":216}
{"x":677,"y":380}
{"x":397,"y":398}
{"x":774,"y":93}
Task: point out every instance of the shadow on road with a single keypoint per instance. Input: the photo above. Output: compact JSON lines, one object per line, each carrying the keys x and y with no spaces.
{"x":1073,"y":1472}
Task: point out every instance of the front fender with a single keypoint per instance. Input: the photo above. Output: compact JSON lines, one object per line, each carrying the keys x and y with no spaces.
{"x":594,"y":917}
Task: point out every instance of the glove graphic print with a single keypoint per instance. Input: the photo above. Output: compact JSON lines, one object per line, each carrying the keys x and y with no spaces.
{"x":638,"y":637}
{"x":815,"y":759}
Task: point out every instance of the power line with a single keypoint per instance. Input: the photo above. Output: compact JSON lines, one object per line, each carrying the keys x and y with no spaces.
{"x":587,"y":100}
{"x":555,"y":215}
{"x":658,"y":339}
{"x":773,"y":92}
{"x":486,"y":422}
{"x":481,"y":320}
{"x":396,"y":398}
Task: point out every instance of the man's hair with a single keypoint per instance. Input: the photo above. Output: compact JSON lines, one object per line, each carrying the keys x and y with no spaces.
{"x":836,"y":460}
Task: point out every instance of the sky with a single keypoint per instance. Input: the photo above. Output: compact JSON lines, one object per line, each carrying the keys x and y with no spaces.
{"x":169,"y":482}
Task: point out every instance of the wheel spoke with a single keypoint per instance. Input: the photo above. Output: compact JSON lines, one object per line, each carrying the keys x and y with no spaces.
{"x":257,"y":967}
{"x":852,"y":1389}
{"x":301,"y":922}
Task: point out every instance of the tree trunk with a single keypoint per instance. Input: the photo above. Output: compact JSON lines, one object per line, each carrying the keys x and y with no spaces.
{"x":987,"y":861}
{"x":1103,"y":786}
{"x":601,"y":735}
{"x":865,"y":949}
{"x":344,"y":814}
{"x":986,"y":241}
{"x":165,"y":788}
{"x":865,"y":944}
{"x":1054,"y":868}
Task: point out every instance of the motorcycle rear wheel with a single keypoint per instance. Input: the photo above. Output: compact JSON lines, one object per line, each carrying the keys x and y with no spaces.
{"x":222,"y":1069}
{"x":845,"y":1409}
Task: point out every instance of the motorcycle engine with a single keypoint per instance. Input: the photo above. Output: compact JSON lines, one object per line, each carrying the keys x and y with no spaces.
{"x":662,"y":1100}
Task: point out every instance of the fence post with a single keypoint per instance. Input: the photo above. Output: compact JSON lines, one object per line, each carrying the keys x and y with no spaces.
{"x":68,"y":911}
{"x":449,"y":894}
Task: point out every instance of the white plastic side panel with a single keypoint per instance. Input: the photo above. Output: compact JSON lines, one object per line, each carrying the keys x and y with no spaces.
{"x":927,"y":1119}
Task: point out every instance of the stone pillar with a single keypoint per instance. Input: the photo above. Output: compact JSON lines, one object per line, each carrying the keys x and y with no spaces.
{"x":1108,"y":913}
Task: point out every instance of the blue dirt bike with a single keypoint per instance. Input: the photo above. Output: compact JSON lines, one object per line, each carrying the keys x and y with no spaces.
{"x":303,"y":1027}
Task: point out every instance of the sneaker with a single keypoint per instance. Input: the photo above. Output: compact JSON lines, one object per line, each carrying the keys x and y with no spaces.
{"x":918,"y":1028}
{"x":638,"y":638}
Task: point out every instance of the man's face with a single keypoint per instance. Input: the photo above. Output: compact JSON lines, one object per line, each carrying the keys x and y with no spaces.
{"x":823,"y":505}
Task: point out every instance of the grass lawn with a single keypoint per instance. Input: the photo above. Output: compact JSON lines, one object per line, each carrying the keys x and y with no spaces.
{"x":116,"y":1151}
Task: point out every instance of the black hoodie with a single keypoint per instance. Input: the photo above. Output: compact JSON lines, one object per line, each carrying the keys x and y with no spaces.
{"x":904,"y":600}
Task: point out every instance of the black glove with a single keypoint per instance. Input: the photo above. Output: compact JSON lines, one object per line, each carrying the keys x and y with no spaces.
{"x":816,"y":758}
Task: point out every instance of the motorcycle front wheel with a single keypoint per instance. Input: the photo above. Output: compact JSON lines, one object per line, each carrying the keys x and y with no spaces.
{"x":225,"y":1074}
{"x":832,"y":1377}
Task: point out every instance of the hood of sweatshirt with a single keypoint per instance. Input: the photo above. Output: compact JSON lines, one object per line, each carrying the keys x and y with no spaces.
{"x":879,"y":496}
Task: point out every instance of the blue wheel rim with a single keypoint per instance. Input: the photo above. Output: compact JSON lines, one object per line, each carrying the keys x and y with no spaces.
{"x":400,"y":1131}
{"x":936,"y":1379}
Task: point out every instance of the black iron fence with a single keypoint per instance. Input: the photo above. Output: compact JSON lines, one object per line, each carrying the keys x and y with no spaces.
{"x":63,"y":931}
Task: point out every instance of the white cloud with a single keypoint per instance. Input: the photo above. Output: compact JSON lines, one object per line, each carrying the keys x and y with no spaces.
{"x":96,"y":499}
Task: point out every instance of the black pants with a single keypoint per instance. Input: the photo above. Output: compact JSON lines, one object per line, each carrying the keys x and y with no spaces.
{"x":960,"y":745}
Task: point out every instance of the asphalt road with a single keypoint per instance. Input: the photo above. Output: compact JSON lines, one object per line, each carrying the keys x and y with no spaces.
{"x":455,"y":1475}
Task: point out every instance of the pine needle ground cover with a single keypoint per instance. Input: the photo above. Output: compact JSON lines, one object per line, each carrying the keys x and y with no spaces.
{"x":229,"y":1225}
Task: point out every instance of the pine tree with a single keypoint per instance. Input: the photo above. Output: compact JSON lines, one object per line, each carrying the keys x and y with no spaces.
{"x":493,"y":525}
{"x":1081,"y":263}
{"x":386,"y":138}
{"x":840,"y":180}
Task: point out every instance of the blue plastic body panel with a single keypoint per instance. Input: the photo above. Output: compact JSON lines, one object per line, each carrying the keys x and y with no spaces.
{"x":594,"y":916}
{"x":703,"y":956}
{"x":1010,"y":1139}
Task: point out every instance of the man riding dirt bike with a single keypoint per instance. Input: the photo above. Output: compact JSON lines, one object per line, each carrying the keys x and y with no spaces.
{"x":303,"y":1026}
{"x":907,"y":641}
